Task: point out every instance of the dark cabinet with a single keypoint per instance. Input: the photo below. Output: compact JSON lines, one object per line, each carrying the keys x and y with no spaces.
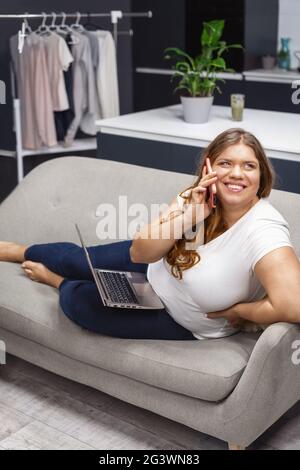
{"x":270,"y":96}
{"x":252,"y":23}
{"x":153,"y":91}
{"x":179,"y":23}
{"x":165,"y":29}
{"x":232,"y":11}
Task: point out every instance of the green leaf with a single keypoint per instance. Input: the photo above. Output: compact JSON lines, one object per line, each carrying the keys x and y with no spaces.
{"x":173,"y":52}
{"x":207,"y":83}
{"x":182,"y":87}
{"x":237,"y":46}
{"x":212,"y":31}
{"x":183,"y":67}
{"x":219,"y":62}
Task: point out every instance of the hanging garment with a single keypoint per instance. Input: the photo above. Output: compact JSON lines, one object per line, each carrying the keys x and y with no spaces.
{"x":87,"y":123}
{"x":64,"y":118}
{"x":94,"y":46}
{"x":34,"y":92}
{"x":86,"y":104}
{"x":107,"y":76}
{"x":59,"y":59}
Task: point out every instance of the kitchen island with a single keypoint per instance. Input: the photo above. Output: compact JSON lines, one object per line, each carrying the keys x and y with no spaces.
{"x":160,"y":138}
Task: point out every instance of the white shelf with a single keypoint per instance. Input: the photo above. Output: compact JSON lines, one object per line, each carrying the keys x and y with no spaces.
{"x":78,"y":145}
{"x":275,"y":75}
{"x":149,"y":70}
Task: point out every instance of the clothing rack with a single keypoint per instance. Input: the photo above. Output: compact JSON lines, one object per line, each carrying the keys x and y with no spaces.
{"x":79,"y":144}
{"x":114,"y":15}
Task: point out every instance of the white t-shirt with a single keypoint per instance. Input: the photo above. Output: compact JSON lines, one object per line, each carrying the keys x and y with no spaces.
{"x":65,"y":59}
{"x":59,"y":59}
{"x":224,"y":275}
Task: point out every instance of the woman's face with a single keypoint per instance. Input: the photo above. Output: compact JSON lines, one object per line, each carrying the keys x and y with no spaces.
{"x":238,"y":175}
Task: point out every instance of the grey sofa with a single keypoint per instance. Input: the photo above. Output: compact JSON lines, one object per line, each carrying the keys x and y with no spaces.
{"x":232,"y":388}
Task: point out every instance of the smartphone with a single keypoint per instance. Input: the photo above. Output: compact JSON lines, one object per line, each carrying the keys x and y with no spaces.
{"x":212,"y":188}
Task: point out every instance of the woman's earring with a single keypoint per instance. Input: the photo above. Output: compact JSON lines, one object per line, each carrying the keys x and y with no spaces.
{"x":215,"y":201}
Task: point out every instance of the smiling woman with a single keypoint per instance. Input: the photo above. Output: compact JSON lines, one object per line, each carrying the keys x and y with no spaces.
{"x":235,"y":275}
{"x":238,"y":173}
{"x":244,"y":175}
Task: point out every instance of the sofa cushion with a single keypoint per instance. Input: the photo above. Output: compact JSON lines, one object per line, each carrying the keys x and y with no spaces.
{"x":205,"y":369}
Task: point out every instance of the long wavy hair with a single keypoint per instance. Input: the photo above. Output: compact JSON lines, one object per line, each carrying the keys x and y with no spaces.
{"x":178,"y":257}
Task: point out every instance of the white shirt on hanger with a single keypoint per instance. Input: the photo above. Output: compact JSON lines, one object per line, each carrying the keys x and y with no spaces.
{"x":59,"y":59}
{"x":107,"y":76}
{"x":66,"y":59}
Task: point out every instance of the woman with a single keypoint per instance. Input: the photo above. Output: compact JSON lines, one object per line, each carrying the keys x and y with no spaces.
{"x":208,"y":289}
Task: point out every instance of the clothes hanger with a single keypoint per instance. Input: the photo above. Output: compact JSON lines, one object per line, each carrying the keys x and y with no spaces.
{"x":66,"y":29}
{"x":43,"y":28}
{"x":53,"y":27}
{"x":21,"y":38}
{"x":23,"y":33}
{"x":77,"y":26}
{"x":89,"y":25}
{"x":27,"y":26}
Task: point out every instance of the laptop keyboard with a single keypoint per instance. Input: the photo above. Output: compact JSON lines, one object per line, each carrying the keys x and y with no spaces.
{"x":118,"y":287}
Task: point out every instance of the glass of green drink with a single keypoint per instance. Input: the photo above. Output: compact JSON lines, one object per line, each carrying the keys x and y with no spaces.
{"x":237,"y":102}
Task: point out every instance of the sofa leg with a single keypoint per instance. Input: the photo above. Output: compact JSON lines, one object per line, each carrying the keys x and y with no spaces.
{"x":232,"y":446}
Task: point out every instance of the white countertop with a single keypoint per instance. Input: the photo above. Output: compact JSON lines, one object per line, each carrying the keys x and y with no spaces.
{"x":278,"y":132}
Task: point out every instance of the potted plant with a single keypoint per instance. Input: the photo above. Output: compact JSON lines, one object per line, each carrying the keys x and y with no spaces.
{"x":198,"y":76}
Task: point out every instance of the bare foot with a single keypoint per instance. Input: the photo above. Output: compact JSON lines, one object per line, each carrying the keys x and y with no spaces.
{"x":39,"y":273}
{"x":10,"y":251}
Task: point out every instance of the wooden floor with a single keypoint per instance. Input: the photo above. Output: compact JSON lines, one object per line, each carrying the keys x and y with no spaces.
{"x":41,"y":410}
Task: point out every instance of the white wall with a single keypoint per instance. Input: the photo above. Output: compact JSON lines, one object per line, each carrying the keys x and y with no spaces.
{"x":289,"y":26}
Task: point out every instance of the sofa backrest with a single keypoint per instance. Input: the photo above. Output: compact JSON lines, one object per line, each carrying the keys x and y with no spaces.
{"x":60,"y":192}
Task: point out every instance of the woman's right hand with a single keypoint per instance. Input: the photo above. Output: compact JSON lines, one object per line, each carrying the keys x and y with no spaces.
{"x":199,"y":205}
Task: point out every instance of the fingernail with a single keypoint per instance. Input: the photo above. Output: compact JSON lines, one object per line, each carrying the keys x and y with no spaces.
{"x":206,"y":316}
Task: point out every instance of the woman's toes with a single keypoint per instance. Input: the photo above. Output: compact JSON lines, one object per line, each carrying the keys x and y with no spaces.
{"x":38,"y":272}
{"x":32,"y":269}
{"x":28,"y":264}
{"x":29,"y":274}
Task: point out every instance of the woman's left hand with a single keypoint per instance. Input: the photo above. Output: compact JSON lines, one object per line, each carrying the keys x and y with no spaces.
{"x":231,"y":314}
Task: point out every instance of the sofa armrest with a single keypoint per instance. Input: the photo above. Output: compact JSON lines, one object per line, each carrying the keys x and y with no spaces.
{"x":269,"y":386}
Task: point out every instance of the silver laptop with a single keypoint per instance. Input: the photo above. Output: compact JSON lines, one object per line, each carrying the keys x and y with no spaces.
{"x":122,"y":289}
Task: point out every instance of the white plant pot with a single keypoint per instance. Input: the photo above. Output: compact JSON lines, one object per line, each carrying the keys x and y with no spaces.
{"x":196,"y":110}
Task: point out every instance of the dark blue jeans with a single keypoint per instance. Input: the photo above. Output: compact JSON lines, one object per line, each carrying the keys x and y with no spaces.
{"x":80,"y":300}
